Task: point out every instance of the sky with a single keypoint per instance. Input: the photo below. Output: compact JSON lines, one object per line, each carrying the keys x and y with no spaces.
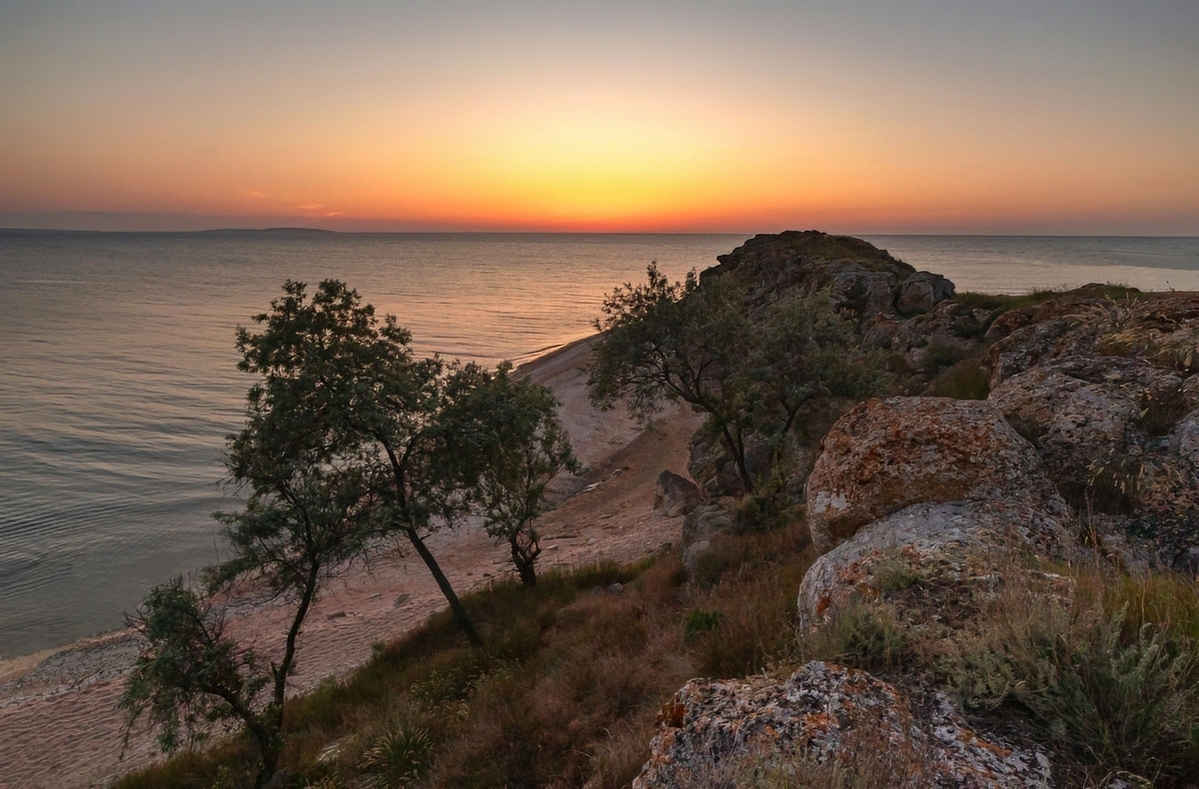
{"x":881,"y":116}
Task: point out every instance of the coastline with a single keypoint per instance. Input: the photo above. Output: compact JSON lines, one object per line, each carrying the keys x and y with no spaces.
{"x":57,"y":707}
{"x":541,"y":366}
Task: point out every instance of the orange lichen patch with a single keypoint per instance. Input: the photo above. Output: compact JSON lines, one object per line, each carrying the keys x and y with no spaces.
{"x":969,"y":737}
{"x":823,"y":605}
{"x":818,"y":722}
{"x":671,"y":715}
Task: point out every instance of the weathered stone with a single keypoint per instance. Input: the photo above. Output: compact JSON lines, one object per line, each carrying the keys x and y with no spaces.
{"x":1082,"y":430}
{"x":716,"y":732}
{"x":887,"y":454}
{"x":950,"y":545}
{"x":859,"y":276}
{"x":921,"y":291}
{"x":700,"y":528}
{"x":851,"y":286}
{"x":948,"y":332}
{"x":675,"y":495}
{"x":694,"y":554}
{"x":705,"y":522}
{"x":1183,"y":440}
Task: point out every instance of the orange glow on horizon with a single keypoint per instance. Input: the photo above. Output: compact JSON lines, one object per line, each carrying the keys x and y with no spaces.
{"x":733,"y":119}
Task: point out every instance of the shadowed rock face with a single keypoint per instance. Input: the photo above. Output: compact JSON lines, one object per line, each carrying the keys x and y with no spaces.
{"x":714,"y":733}
{"x":885,"y":455}
{"x":1108,"y":393}
{"x":675,"y":495}
{"x":860,"y":276}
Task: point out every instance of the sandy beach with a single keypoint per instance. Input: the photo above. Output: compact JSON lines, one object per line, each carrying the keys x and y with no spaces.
{"x":59,"y":726}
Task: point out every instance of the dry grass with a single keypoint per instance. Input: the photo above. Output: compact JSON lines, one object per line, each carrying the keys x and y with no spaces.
{"x":564,"y":693}
{"x":1100,"y":667}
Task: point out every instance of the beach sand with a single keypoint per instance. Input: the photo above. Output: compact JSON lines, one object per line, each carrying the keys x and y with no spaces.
{"x":59,"y":726}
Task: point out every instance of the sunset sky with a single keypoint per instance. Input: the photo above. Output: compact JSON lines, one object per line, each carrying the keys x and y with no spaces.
{"x":910,"y":116}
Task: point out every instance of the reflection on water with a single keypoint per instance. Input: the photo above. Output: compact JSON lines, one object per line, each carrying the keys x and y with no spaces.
{"x":117,"y":379}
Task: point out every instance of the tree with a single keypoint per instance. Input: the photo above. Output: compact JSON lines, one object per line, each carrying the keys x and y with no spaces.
{"x":801,"y":351}
{"x":342,"y":446}
{"x":512,"y":430}
{"x":675,"y":341}
{"x":748,"y":372}
{"x":189,"y":674}
{"x":336,"y":377}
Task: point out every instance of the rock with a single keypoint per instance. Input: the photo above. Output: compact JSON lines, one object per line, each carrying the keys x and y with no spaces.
{"x":921,"y":291}
{"x":675,"y":495}
{"x":712,"y":468}
{"x":1183,"y":439}
{"x":860,"y":277}
{"x":700,"y":528}
{"x":705,"y":522}
{"x":946,"y":334}
{"x":884,"y":455}
{"x":694,"y":554}
{"x":854,"y":287}
{"x":951,"y":546}
{"x":717,"y":733}
{"x":1078,"y":427}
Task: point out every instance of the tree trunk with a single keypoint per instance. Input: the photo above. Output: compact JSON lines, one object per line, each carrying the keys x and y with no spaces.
{"x":524,"y":561}
{"x":443,"y":583}
{"x":736,"y":448}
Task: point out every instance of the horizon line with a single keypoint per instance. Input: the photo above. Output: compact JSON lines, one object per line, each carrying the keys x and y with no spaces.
{"x":282,"y":229}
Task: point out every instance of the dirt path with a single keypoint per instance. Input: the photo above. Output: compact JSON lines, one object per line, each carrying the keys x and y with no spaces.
{"x":59,"y":726}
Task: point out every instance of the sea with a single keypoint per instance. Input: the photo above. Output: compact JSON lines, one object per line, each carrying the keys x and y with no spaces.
{"x":118,"y":380}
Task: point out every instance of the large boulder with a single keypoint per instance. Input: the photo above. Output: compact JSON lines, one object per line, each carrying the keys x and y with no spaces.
{"x":885,"y":455}
{"x":921,"y":291}
{"x":675,"y":495}
{"x":957,"y":547}
{"x":1077,"y":426}
{"x":723,"y":733}
{"x":859,"y":276}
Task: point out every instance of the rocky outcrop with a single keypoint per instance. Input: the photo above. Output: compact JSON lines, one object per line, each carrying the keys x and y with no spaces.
{"x":1073,"y":423}
{"x":885,"y":455}
{"x":722,"y":733}
{"x":675,"y":495}
{"x":1107,"y":393}
{"x":921,"y":291}
{"x":859,"y":276}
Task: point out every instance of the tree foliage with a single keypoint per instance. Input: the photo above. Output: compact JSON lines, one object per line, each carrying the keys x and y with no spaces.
{"x":512,"y":430}
{"x":748,"y":371}
{"x":674,"y":341}
{"x":341,"y":390}
{"x":190,"y":676}
{"x":347,"y":441}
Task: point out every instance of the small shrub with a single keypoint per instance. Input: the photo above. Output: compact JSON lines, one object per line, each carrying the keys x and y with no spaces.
{"x":965,"y":380}
{"x":698,"y":621}
{"x":860,"y":635}
{"x":399,"y":757}
{"x":1104,"y":667}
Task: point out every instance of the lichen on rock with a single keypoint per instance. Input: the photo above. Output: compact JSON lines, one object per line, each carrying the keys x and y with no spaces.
{"x":714,"y":733}
{"x":885,"y":455}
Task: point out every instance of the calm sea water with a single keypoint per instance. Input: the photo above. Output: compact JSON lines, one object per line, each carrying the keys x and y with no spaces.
{"x":117,"y":378}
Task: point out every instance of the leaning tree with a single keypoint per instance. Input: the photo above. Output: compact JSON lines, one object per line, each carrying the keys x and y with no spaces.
{"x":343,"y":447}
